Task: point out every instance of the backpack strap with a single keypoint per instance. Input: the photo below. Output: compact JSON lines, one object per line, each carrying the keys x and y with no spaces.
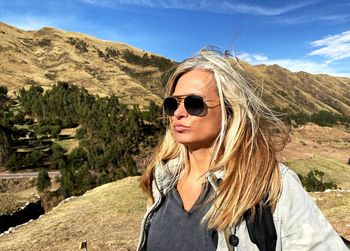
{"x":261,"y":228}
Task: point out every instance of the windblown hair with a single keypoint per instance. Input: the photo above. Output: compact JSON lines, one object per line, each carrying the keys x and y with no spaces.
{"x":246,"y":146}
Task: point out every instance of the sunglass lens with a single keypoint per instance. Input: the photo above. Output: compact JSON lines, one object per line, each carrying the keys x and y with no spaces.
{"x":170,"y":105}
{"x":194,"y":105}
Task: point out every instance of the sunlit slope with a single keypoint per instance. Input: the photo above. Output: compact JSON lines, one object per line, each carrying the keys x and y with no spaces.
{"x":49,"y":55}
{"x":108,"y":217}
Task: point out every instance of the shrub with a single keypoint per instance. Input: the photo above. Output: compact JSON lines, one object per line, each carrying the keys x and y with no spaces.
{"x":19,"y":118}
{"x":324,"y":118}
{"x":55,"y":131}
{"x":81,"y":45}
{"x":313,"y":182}
{"x":110,"y":52}
{"x":43,"y":181}
{"x":44,"y":42}
{"x":3,"y":90}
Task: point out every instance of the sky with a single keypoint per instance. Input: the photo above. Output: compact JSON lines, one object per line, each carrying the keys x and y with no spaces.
{"x":300,"y":35}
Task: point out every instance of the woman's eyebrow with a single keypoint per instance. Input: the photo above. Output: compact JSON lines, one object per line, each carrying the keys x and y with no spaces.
{"x":189,"y":94}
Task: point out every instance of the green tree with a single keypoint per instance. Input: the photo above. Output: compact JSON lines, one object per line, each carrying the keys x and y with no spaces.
{"x":43,"y":181}
{"x":55,"y":131}
{"x":3,"y":94}
{"x":313,"y":182}
{"x":324,"y":118}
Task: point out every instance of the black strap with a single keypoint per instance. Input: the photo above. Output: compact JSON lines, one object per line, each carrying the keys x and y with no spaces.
{"x":347,"y":242}
{"x":261,"y":229}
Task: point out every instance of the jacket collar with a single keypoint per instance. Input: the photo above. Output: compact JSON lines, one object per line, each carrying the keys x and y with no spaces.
{"x":167,"y":173}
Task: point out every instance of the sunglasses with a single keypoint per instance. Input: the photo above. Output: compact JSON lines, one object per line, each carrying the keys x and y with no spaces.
{"x":194,"y":105}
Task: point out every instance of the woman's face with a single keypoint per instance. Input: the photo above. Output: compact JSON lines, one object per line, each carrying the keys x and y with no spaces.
{"x":197,"y":131}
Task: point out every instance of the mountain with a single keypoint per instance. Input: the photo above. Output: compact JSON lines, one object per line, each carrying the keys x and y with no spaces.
{"x":300,"y":91}
{"x":102,"y":67}
{"x":135,"y":76}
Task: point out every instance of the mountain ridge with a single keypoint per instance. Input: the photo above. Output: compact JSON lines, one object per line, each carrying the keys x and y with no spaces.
{"x":103,"y":67}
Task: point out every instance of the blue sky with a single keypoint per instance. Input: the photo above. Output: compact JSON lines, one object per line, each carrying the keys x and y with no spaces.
{"x":308,"y":35}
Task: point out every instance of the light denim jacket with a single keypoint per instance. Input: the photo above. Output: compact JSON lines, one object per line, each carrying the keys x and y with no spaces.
{"x":299,"y":223}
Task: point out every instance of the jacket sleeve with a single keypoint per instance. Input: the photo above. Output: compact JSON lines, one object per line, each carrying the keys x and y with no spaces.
{"x":303,"y":226}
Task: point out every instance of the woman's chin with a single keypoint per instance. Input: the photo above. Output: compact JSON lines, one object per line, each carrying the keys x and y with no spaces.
{"x":193,"y":144}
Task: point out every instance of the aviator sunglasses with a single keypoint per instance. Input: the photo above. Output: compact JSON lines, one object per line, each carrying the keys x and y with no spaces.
{"x":194,"y":105}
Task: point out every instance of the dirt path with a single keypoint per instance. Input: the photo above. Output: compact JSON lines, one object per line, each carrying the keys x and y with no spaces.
{"x":9,"y":175}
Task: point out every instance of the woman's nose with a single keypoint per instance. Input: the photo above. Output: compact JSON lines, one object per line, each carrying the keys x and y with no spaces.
{"x":180,"y":112}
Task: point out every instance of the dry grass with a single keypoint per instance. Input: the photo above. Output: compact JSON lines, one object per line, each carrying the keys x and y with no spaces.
{"x":334,"y":170}
{"x":11,"y":202}
{"x":22,"y":59}
{"x":68,"y":144}
{"x":312,"y":140}
{"x":108,"y":217}
{"x":15,"y":193}
{"x":336,"y":207}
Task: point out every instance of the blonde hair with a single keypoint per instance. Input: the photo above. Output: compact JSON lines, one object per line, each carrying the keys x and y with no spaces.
{"x":247,"y":148}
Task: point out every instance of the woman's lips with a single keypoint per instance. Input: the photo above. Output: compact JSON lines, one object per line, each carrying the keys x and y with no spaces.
{"x":180,"y":128}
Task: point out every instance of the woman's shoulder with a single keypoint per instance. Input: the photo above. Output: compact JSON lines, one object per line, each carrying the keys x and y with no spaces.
{"x":291,"y":184}
{"x":292,"y":190}
{"x":302,"y":221}
{"x":286,"y":172}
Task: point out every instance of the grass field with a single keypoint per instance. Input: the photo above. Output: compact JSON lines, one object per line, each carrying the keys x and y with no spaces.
{"x":68,"y":144}
{"x":109,"y":217}
{"x":10,"y":202}
{"x":336,"y":207}
{"x":334,"y":170}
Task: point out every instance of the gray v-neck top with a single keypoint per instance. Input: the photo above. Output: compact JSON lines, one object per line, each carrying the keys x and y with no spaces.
{"x":174,"y":228}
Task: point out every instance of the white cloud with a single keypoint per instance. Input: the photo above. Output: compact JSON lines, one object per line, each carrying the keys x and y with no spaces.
{"x":252,"y":58}
{"x":294,"y":65}
{"x":208,"y":5}
{"x":334,"y":47}
{"x":31,"y":22}
{"x":258,"y":10}
{"x":313,"y":18}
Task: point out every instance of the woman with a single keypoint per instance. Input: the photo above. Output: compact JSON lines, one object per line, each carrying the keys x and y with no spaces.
{"x":214,"y":180}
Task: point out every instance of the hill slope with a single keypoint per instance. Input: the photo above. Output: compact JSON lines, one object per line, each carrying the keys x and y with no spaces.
{"x":109,"y":218}
{"x":50,"y":55}
{"x":325,"y":149}
{"x":103,"y":67}
{"x":300,"y":91}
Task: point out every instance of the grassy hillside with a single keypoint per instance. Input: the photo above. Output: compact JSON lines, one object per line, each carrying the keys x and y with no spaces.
{"x":15,"y":193}
{"x":49,"y":55}
{"x":336,"y":207}
{"x":334,"y":170}
{"x":109,"y":217}
{"x":10,"y":202}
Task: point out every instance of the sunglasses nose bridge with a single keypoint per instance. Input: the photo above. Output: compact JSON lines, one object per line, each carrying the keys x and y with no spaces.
{"x":180,"y":110}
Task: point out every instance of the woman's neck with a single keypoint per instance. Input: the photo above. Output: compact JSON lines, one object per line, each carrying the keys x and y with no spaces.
{"x":199,"y":161}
